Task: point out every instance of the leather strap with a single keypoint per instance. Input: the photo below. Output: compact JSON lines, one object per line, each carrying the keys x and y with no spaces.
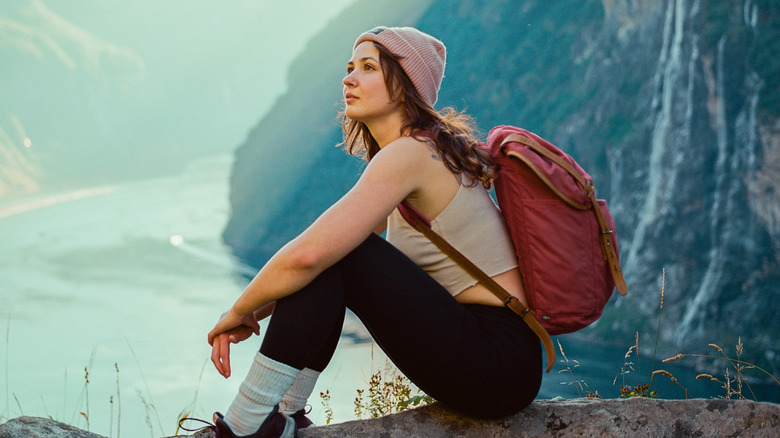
{"x":541,"y":150}
{"x":607,"y":249}
{"x":419,"y":222}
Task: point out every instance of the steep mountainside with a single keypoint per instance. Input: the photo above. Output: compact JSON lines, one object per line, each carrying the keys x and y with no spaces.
{"x":673,"y":106}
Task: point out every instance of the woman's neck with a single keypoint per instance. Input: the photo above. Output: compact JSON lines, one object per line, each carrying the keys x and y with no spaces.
{"x":387,"y":130}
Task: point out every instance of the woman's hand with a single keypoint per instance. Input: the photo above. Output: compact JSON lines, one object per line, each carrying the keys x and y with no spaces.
{"x":220,"y":347}
{"x":230,"y":329}
{"x":230,"y":320}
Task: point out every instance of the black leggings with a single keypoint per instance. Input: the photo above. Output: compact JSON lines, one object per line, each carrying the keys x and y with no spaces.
{"x":482,"y":361}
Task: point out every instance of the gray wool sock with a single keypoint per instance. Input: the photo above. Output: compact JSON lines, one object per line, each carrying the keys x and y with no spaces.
{"x":261,"y":390}
{"x":296,"y":397}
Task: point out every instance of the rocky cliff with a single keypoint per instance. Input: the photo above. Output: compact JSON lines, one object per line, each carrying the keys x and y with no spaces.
{"x":673,"y":106}
{"x":689,"y":133}
{"x":638,"y":417}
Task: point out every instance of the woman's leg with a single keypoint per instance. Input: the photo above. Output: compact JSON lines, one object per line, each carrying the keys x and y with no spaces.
{"x":305,"y":326}
{"x":481,"y":360}
{"x":478,"y":359}
{"x":311,"y":365}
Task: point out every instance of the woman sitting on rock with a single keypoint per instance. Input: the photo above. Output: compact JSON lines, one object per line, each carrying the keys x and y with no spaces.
{"x":446,"y":332}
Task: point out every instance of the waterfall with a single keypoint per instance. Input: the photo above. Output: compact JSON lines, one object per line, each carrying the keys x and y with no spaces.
{"x":667,"y":74}
{"x":750,"y":14}
{"x":681,"y":146}
{"x":693,"y":315}
{"x":755,"y":84}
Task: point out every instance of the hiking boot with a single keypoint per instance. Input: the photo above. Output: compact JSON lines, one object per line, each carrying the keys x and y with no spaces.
{"x":301,"y":420}
{"x":276,"y":425}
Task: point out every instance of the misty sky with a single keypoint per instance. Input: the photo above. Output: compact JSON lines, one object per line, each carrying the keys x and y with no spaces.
{"x":94,"y":80}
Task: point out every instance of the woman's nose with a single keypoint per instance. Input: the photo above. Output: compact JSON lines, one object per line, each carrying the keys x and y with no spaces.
{"x":348,"y":80}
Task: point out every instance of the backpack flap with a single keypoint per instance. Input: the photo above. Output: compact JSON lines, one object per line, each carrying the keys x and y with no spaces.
{"x":565,"y":178}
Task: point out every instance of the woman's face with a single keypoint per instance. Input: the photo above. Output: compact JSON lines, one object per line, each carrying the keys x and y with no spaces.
{"x":365,"y":94}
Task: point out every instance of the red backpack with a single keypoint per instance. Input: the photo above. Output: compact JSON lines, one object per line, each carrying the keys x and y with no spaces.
{"x":564,"y":237}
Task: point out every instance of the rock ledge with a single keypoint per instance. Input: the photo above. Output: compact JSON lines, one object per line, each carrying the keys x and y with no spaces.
{"x":582,"y":417}
{"x":638,"y":417}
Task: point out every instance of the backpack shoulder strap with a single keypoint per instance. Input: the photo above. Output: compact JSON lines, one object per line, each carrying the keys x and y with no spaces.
{"x":418,"y":221}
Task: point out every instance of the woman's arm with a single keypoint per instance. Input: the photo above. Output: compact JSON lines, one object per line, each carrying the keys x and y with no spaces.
{"x":381,"y":227}
{"x":391,"y":175}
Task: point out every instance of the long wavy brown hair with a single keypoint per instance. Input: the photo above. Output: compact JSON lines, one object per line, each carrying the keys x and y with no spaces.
{"x":450,"y":132}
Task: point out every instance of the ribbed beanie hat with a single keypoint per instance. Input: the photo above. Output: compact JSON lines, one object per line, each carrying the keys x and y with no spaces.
{"x":422,"y":56}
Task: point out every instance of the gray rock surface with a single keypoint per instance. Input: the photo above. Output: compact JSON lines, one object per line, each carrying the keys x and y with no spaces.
{"x":636,"y":417}
{"x":34,"y":427}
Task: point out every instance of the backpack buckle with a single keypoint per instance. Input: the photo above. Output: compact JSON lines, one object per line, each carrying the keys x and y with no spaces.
{"x":525,"y":309}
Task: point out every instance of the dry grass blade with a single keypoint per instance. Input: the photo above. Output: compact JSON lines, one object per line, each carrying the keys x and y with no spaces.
{"x":673,"y":379}
{"x":578,"y":383}
{"x":673,"y":358}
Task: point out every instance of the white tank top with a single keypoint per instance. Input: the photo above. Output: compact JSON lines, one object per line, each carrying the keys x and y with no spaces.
{"x":472,"y":223}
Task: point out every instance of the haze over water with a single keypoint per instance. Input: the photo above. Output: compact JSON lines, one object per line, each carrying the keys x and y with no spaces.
{"x":130,"y":276}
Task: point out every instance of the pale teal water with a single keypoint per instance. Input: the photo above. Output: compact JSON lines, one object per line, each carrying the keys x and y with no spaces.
{"x":93,"y":279}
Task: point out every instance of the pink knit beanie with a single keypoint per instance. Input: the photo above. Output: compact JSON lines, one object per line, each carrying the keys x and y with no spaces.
{"x":422,"y":56}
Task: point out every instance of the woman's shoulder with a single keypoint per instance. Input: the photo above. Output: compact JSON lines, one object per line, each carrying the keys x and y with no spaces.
{"x":410,"y":143}
{"x":404,"y":154}
{"x":410,"y":159}
{"x":406,"y":149}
